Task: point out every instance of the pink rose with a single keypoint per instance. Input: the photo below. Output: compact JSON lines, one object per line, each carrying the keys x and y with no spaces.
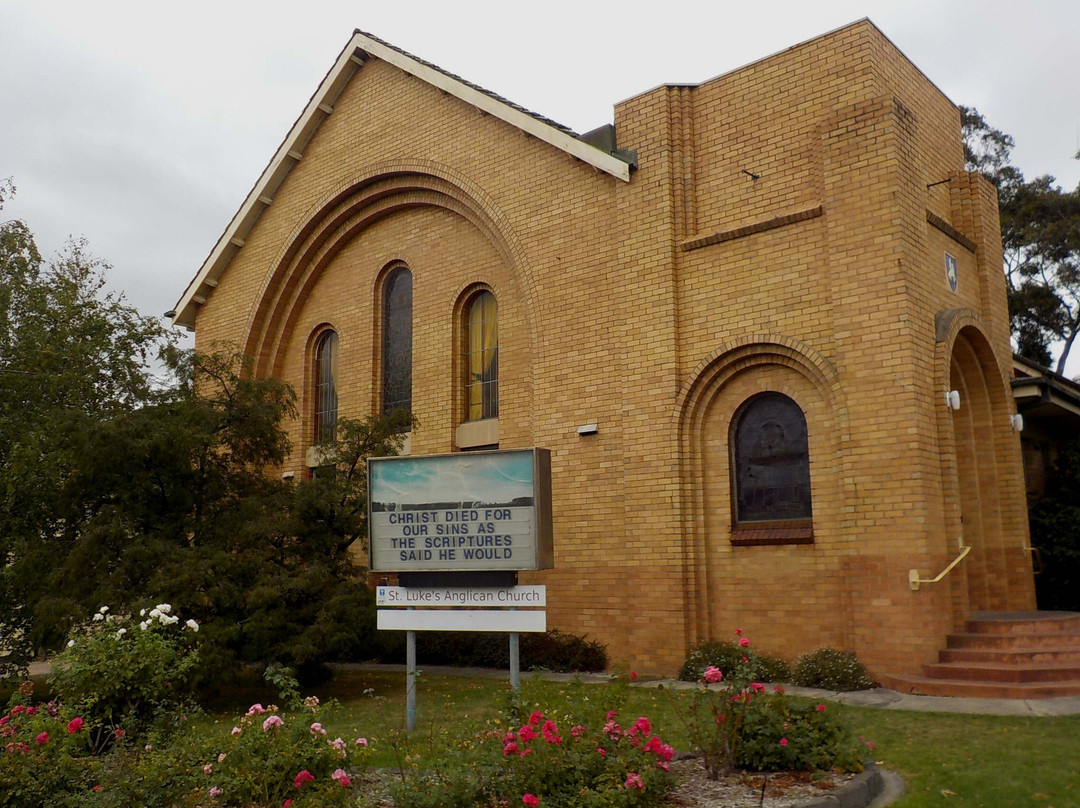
{"x":713,"y":675}
{"x":270,"y":722}
{"x":317,"y":729}
{"x":360,"y":742}
{"x":783,"y":741}
{"x":531,"y":800}
{"x":207,"y":769}
{"x":633,"y":780}
{"x":536,"y":718}
{"x":215,"y":791}
{"x":341,"y":778}
{"x":42,"y":739}
{"x":74,"y":725}
{"x":642,"y":725}
{"x":743,"y":642}
{"x":303,"y":777}
{"x":235,"y":731}
{"x":527,"y":733}
{"x":821,"y":708}
{"x":287,"y":803}
{"x":256,"y":709}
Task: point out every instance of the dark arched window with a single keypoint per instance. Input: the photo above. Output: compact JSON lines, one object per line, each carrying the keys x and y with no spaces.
{"x":397,"y":342}
{"x":771,"y":459}
{"x":482,"y":358}
{"x":326,"y":359}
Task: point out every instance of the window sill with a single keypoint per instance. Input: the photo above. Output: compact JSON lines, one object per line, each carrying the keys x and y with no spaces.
{"x":768,"y":533}
{"x":477,"y":433}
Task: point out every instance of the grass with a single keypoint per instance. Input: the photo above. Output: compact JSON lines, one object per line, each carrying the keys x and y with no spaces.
{"x":962,"y":761}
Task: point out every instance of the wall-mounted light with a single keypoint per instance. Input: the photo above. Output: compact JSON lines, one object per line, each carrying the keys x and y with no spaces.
{"x":1017,"y":422}
{"x":587,"y":429}
{"x":952,"y":399}
{"x":288,"y":475}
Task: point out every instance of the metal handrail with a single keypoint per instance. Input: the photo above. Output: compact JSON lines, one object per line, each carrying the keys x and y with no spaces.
{"x":913,"y":575}
{"x":1038,"y":559}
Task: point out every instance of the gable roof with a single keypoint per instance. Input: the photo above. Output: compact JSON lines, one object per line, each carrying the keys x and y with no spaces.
{"x":360,"y":48}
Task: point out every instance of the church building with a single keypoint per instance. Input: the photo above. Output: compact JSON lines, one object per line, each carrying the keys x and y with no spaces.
{"x":759,"y":323}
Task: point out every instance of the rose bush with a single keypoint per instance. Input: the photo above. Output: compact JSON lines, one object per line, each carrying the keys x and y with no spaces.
{"x":735,"y":722}
{"x":40,"y":750}
{"x":121,"y":673}
{"x":573,"y":756}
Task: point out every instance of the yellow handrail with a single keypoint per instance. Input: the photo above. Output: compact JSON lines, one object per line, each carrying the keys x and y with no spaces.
{"x":913,"y":575}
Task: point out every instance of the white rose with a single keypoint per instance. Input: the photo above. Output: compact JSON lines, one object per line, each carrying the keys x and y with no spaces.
{"x":98,"y":617}
{"x":144,"y":625}
{"x":71,"y":643}
{"x":103,"y":609}
{"x":155,"y":614}
{"x":164,"y":607}
{"x":192,"y":625}
{"x":120,"y":632}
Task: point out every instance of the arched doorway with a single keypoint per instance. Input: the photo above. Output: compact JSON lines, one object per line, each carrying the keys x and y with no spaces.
{"x":980,"y":430}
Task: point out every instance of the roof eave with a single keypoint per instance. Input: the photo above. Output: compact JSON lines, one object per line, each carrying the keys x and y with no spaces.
{"x":351,"y":58}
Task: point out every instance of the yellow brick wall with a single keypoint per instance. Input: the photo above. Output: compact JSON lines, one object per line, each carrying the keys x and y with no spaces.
{"x":654,"y":308}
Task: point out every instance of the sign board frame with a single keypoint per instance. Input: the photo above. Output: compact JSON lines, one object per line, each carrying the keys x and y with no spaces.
{"x":464,"y":511}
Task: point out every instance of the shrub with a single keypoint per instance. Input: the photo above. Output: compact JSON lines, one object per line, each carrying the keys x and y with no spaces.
{"x":269,"y":758}
{"x":735,"y":722}
{"x":830,"y":669}
{"x":574,"y":755}
{"x":727,"y":656}
{"x":552,"y":650}
{"x":133,"y":676}
{"x":43,"y":755}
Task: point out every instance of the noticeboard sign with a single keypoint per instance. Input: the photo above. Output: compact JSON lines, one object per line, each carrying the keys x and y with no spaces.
{"x":462,"y":511}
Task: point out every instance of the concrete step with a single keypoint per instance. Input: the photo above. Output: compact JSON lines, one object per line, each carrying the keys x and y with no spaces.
{"x":1011,"y":674}
{"x":1033,"y":640}
{"x":1012,"y":656}
{"x":981,"y":690}
{"x":1023,"y":622}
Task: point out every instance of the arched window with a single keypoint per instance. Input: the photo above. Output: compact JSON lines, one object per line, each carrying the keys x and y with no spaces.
{"x":397,"y":341}
{"x":326,"y":356}
{"x":482,"y":358}
{"x":771,"y":460}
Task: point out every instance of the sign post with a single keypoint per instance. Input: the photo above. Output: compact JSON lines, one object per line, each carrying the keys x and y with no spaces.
{"x":439,"y":520}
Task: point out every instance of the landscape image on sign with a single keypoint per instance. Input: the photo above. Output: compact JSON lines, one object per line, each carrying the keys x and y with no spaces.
{"x":465,"y":481}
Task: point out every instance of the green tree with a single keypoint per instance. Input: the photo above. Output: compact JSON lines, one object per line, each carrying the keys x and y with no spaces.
{"x":182,"y":501}
{"x":68,"y":350}
{"x":1040,"y":233}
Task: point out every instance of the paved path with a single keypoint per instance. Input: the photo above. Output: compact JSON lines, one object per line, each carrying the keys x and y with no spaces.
{"x":878,"y":697}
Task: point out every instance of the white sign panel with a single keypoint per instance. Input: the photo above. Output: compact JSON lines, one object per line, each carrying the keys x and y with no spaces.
{"x":464,"y":511}
{"x":461,"y":620}
{"x":491,"y":596}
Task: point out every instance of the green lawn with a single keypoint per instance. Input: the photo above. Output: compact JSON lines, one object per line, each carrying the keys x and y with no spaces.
{"x":946,"y":759}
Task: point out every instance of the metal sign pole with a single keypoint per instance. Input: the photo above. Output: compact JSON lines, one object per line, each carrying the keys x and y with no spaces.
{"x":515,"y":658}
{"x":410,"y":680}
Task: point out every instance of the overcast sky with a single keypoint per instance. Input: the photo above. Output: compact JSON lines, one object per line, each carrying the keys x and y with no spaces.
{"x":141,"y":126}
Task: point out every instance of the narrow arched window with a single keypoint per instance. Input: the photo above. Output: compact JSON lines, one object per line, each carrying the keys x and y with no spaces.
{"x":482,"y":359}
{"x":397,"y":342}
{"x":326,"y":357}
{"x":771,"y":459}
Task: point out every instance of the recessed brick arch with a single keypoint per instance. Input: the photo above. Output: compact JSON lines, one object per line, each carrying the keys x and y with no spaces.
{"x":344,"y":213}
{"x":982,"y":443}
{"x":704,"y":409}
